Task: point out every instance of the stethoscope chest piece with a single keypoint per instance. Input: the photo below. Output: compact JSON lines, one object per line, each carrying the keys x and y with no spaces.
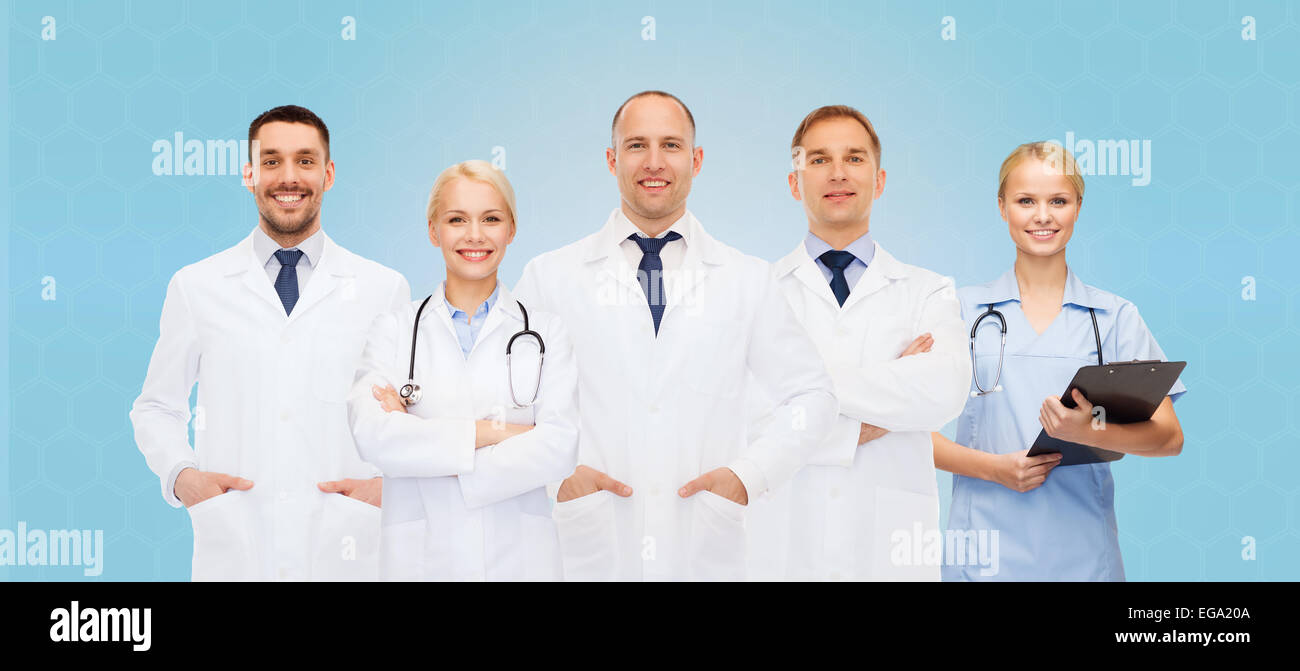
{"x":410,"y":393}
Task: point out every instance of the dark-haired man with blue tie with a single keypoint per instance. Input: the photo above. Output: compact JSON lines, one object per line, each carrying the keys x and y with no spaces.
{"x":891,"y":336}
{"x":272,"y":331}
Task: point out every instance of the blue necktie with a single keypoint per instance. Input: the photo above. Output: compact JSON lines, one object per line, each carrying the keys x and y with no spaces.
{"x":650,"y":273}
{"x":286,"y":283}
{"x":837,"y":261}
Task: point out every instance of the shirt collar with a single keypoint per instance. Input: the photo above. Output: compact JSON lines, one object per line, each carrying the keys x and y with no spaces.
{"x":265,"y":247}
{"x":1005,"y":288}
{"x":624,"y":227}
{"x":863,"y":249}
{"x":486,"y":307}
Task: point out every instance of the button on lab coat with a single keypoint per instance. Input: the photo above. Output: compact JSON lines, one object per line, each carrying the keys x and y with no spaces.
{"x":658,"y":412}
{"x":452,"y":512}
{"x":271,"y":392}
{"x":861,"y":511}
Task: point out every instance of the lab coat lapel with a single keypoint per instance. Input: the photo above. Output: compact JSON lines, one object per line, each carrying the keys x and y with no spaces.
{"x":503,"y":310}
{"x":332,"y":272}
{"x":883,"y":270}
{"x":245,"y":263}
{"x":614,"y":276}
{"x":702,"y":254}
{"x":806,"y":271}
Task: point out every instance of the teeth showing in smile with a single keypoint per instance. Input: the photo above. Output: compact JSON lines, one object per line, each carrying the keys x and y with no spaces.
{"x":652,"y":183}
{"x":288,"y":198}
{"x":474,"y":255}
{"x":1043,"y":233}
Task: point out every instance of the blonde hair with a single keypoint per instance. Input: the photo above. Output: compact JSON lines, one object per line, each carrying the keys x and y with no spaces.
{"x":1058,"y":160}
{"x":480,"y":171}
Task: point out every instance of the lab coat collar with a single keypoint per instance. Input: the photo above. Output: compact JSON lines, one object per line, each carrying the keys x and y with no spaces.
{"x":702,"y":253}
{"x":1005,"y":288}
{"x":334,"y":269}
{"x":699,"y":244}
{"x":505,"y":307}
{"x":883,"y":269}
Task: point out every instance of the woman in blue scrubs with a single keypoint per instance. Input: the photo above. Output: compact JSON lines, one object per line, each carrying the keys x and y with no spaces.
{"x":1016,"y":517}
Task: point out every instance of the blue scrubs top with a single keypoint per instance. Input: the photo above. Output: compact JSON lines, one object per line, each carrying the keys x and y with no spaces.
{"x":1064,"y":529}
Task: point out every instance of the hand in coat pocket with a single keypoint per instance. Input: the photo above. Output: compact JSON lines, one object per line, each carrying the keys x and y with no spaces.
{"x":194,"y":486}
{"x":366,"y":491}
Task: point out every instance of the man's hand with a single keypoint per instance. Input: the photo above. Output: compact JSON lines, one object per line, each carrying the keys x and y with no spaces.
{"x":587,"y":480}
{"x":194,"y":486}
{"x":1069,"y":424}
{"x":366,"y":491}
{"x":388,"y":398}
{"x":1019,"y":472}
{"x":869,"y":432}
{"x":922,"y":344}
{"x":720,"y":481}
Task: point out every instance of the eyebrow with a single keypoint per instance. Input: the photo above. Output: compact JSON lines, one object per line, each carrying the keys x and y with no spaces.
{"x":642,"y":138}
{"x":1058,"y":193}
{"x":851,"y":150}
{"x":274,"y":151}
{"x":498,"y":211}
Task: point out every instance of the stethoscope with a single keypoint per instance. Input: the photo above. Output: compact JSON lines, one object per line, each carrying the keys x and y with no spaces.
{"x":1002,"y":321}
{"x":410,"y":392}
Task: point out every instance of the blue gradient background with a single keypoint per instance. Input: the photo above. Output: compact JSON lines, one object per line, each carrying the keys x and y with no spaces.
{"x":428,"y":84}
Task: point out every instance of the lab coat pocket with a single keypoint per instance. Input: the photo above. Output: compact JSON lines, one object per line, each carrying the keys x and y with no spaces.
{"x":718,"y":539}
{"x":402,"y":552}
{"x":587,"y":540}
{"x":345,"y":542}
{"x":906,"y":543}
{"x":223,"y":542}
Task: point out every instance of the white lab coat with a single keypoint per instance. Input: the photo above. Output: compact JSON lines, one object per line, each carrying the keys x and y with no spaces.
{"x":452,"y":512}
{"x":868,"y":512}
{"x":270,"y":409}
{"x":659,"y":412}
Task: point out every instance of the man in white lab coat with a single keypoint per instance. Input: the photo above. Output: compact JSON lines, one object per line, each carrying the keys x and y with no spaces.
{"x":866,"y":506}
{"x":272,"y":331}
{"x":667,"y":323}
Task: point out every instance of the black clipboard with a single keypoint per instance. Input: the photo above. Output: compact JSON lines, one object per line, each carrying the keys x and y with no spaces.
{"x":1129,"y":392}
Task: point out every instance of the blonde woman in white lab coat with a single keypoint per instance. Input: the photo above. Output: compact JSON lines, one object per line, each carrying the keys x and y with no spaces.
{"x":465,"y":466}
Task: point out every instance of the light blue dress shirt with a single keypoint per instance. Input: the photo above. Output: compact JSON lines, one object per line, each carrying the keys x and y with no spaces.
{"x":311,"y":249}
{"x":863,"y":249}
{"x":1065,"y":529}
{"x":467,"y":329}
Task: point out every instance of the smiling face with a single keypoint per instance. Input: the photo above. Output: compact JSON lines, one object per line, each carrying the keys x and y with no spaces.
{"x":654,"y":160}
{"x":472,"y":226}
{"x":293,"y":173}
{"x":1040,"y":206}
{"x":840,"y":179}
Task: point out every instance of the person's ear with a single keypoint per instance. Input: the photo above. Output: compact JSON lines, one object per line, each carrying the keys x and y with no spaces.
{"x":697,"y":161}
{"x":880,"y":183}
{"x":1002,"y":209}
{"x":793,"y":179}
{"x":433,"y":234}
{"x":329,"y":174}
{"x":611,"y":158}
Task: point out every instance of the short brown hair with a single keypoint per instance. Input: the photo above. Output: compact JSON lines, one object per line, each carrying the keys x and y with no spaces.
{"x":835,"y":112}
{"x":662,"y":94}
{"x":288,"y":114}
